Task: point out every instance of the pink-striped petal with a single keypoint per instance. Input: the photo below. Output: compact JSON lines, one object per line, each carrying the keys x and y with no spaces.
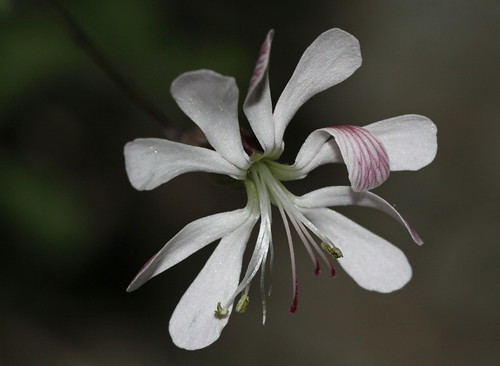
{"x":364,"y":155}
{"x":261,"y":65}
{"x":409,"y":141}
{"x":258,"y":105}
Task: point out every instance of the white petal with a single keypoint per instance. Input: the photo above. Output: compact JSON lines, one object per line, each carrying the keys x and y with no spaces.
{"x":345,"y":196}
{"x":151,"y":162}
{"x":190,"y":239}
{"x":317,"y":149}
{"x":374,"y":263}
{"x":327,"y":154}
{"x":258,"y":106}
{"x":410,"y":140}
{"x":211,"y":101}
{"x":193,"y":324}
{"x":329,"y":60}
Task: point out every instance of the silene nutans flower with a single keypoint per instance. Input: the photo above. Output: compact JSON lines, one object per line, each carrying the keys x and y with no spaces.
{"x":369,"y":153}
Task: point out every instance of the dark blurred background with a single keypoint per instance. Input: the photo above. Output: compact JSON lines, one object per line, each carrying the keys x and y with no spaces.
{"x":74,"y":232}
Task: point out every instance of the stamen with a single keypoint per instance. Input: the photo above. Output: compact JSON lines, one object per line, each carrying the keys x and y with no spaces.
{"x":301,"y":232}
{"x":292,"y":255}
{"x":263,"y":238}
{"x":242,"y":304}
{"x":334,"y":252}
{"x":293,"y":307}
{"x":271,"y":261}
{"x":263,"y":285}
{"x":269,"y":188}
{"x":221,"y":312}
{"x":299,"y":220}
{"x":315,"y":230}
{"x":313,"y":243}
{"x":317,"y":268}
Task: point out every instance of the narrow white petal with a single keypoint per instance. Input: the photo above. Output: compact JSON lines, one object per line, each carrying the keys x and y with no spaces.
{"x":374,"y":263}
{"x":190,"y":239}
{"x":150,"y":162}
{"x":193,"y":324}
{"x":211,"y":101}
{"x":345,"y":196}
{"x":258,"y":105}
{"x":329,"y":60}
{"x":410,"y":140}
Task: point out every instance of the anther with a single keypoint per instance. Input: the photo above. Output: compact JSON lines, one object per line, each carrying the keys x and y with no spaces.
{"x":333,"y":251}
{"x":242,"y":304}
{"x":221,"y":312}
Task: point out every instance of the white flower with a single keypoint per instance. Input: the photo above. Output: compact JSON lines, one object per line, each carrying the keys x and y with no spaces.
{"x":402,"y":143}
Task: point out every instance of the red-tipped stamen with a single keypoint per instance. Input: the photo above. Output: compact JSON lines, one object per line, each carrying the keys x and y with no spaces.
{"x":313,"y":243}
{"x":293,"y":307}
{"x":292,"y":256}
{"x":263,"y":286}
{"x":300,"y":231}
{"x":317,"y":269}
{"x":271,"y":261}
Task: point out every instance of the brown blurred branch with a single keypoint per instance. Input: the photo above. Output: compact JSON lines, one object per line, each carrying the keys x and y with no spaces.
{"x":91,"y":49}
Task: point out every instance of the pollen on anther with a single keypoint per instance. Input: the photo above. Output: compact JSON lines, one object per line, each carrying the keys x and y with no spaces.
{"x":221,"y":312}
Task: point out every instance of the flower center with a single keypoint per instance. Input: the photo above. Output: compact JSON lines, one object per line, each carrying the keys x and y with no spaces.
{"x":264,"y":187}
{"x":262,"y":174}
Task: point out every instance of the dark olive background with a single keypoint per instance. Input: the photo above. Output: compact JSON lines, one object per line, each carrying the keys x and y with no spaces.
{"x":73,"y":232}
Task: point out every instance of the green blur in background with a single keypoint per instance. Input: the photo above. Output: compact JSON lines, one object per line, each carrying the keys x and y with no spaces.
{"x":73,"y":232}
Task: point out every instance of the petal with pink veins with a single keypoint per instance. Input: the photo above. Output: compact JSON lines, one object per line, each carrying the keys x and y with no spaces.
{"x":258,"y":106}
{"x":364,"y":155}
